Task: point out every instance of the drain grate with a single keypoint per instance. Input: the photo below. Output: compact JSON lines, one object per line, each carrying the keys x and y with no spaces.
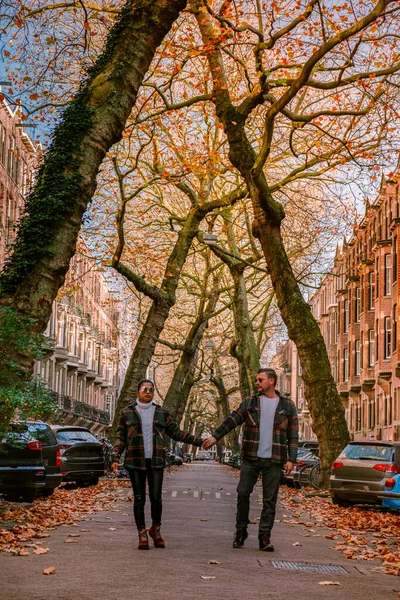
{"x":312,"y":568}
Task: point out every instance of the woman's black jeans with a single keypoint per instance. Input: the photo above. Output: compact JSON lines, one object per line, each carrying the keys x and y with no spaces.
{"x":155,"y":480}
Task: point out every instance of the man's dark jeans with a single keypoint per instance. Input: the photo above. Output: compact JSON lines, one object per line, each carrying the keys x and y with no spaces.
{"x":271,"y":475}
{"x":155,"y":480}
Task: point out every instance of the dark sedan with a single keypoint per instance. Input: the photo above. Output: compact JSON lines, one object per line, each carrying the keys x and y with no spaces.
{"x":82,"y":459}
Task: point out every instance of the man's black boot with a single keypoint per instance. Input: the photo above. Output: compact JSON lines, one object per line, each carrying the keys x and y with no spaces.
{"x":241,"y":536}
{"x":265,"y":543}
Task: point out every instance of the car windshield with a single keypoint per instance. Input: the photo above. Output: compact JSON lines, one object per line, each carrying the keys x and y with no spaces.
{"x":369,"y":452}
{"x":72,"y":435}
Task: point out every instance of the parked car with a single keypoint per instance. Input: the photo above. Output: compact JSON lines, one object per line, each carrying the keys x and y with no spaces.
{"x":173,"y":459}
{"x":30,"y":461}
{"x":82,"y":457}
{"x":359,"y":473}
{"x":391,"y":495}
{"x":202,"y":455}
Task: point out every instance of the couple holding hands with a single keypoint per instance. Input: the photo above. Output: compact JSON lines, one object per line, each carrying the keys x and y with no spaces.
{"x":269,"y":445}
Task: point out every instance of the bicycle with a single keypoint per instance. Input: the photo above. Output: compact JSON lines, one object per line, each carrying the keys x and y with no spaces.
{"x":310,"y":475}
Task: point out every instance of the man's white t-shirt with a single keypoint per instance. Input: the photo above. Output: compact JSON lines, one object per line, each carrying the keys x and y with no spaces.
{"x":267,"y":416}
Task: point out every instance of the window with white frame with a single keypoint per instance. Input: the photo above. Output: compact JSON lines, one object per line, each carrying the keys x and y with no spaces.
{"x":371,"y":290}
{"x":345,"y":364}
{"x":387,"y":337}
{"x":345,"y":316}
{"x":371,"y":347}
{"x":357,"y":357}
{"x":357,"y":305}
{"x":388,"y":275}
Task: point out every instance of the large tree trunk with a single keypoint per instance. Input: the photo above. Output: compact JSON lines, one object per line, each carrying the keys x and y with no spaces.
{"x":324,"y":402}
{"x":178,"y":392}
{"x":224,"y":409}
{"x":91,"y":124}
{"x":245,"y":348}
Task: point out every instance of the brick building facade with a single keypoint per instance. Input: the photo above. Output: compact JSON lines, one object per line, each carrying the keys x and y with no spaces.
{"x":82,"y":367}
{"x":356,"y":307}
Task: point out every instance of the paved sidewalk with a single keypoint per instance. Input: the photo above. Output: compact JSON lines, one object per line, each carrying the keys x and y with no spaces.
{"x":198,"y":525}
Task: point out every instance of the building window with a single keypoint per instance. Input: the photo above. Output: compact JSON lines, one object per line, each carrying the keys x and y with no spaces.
{"x":362,"y":351}
{"x":362,"y":294}
{"x":371,"y":347}
{"x":371,"y":415}
{"x":335,"y":327}
{"x":345,"y":364}
{"x":357,"y":305}
{"x":371,"y":290}
{"x":2,"y":144}
{"x":377,"y":278}
{"x":387,"y":337}
{"x":394,"y":340}
{"x":357,"y":358}
{"x":345,"y":316}
{"x":358,"y":417}
{"x":388,"y":275}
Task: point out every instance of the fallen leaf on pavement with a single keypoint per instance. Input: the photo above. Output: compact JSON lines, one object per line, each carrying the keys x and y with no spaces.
{"x":49,"y":571}
{"x":204,"y":519}
{"x":84,"y":530}
{"x":23,"y":553}
{"x":296,"y":544}
{"x":40,"y":551}
{"x":74,"y":535}
{"x":213,"y":562}
{"x":71,"y":541}
{"x":112,"y":529}
{"x":328,"y":583}
{"x":207,"y":577}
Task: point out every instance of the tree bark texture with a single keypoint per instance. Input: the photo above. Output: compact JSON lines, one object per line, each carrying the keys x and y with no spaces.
{"x":224,"y":409}
{"x":91,"y":124}
{"x":243,"y":347}
{"x":178,"y":392}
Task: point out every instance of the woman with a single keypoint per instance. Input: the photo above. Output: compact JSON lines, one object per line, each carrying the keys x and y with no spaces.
{"x":141,"y":432}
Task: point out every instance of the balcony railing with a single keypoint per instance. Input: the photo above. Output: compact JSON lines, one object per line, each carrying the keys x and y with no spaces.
{"x":81,"y":409}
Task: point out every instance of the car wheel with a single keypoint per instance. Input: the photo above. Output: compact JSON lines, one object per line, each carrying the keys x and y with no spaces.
{"x":93,"y":481}
{"x":29,"y":494}
{"x":47,"y":492}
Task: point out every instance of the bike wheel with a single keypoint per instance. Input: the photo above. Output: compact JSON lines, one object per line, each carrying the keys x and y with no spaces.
{"x":315,"y":476}
{"x":304,"y":475}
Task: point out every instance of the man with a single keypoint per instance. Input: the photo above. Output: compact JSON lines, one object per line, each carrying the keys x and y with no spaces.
{"x":141,"y":433}
{"x":270,"y":440}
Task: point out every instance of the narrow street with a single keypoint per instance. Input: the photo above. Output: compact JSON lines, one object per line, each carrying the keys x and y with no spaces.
{"x":198,"y":525}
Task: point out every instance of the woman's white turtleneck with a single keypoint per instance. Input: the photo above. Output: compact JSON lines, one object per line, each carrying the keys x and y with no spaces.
{"x":146,"y":412}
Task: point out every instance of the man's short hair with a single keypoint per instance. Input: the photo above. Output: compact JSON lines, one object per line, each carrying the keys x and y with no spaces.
{"x":270,"y":373}
{"x":144,"y":381}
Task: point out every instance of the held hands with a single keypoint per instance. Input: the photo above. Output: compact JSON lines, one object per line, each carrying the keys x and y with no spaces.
{"x":208,"y":442}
